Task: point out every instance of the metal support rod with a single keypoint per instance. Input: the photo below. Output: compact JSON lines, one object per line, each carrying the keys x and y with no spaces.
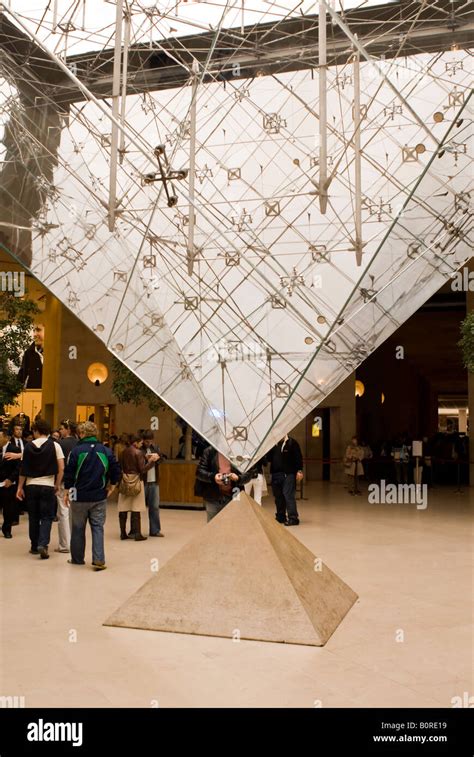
{"x":55,"y":16}
{"x":361,"y":49}
{"x":135,"y":137}
{"x":66,"y":39}
{"x":357,"y":162}
{"x":115,"y":114}
{"x":192,"y":166}
{"x":323,"y":131}
{"x":150,"y":41}
{"x":123,"y":108}
{"x":143,"y":148}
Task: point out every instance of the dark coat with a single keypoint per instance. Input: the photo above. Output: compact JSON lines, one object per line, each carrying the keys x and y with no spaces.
{"x":206,"y":486}
{"x":90,"y":467}
{"x":132,"y":460}
{"x":290,"y":461}
{"x":9,"y":469}
{"x":31,"y":369}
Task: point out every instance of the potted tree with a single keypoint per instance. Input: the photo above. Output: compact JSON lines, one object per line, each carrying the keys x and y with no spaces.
{"x":127,"y":387}
{"x":466,"y":342}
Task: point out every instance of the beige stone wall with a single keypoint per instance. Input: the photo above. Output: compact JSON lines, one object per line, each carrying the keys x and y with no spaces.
{"x":74,"y":388}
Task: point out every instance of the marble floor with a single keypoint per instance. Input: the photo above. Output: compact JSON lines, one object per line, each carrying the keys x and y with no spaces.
{"x":406,"y":643}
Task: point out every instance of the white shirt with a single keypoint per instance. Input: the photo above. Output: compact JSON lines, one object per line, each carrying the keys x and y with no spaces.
{"x":151,"y":474}
{"x":18,"y":443}
{"x":45,"y":480}
{"x":19,"y":447}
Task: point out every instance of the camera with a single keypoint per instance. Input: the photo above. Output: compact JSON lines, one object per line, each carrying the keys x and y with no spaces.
{"x":225,"y":479}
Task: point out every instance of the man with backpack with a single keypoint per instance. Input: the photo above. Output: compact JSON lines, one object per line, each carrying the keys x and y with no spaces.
{"x":91,"y":475}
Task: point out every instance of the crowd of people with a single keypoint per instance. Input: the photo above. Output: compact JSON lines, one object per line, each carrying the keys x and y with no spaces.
{"x":394,"y":460}
{"x":68,"y":479}
{"x":67,"y":476}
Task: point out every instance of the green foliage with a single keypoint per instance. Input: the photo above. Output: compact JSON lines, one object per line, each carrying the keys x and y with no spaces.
{"x":467,"y":342}
{"x":127,"y":387}
{"x":17,"y":317}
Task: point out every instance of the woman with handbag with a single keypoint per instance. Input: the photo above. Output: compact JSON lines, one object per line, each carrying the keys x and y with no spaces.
{"x":131,"y":488}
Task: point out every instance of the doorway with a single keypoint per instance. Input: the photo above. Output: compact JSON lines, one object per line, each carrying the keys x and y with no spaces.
{"x":102,"y":415}
{"x":325,"y":413}
{"x":318,"y":445}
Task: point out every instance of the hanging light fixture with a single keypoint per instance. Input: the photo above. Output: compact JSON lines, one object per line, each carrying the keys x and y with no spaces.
{"x":97,"y":373}
{"x":359,"y":388}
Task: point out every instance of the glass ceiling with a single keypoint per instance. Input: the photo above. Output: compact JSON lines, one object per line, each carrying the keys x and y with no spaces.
{"x":85,"y":25}
{"x":284,"y":294}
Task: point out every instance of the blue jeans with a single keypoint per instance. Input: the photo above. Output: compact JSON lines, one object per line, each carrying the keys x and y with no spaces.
{"x":95,"y":513}
{"x":152,"y":501}
{"x":41,"y":506}
{"x":284,"y":490}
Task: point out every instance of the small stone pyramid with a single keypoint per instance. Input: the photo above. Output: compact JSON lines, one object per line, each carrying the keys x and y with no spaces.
{"x":242,"y":576}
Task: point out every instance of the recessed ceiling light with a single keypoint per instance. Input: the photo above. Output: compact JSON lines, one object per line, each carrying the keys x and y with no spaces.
{"x":309,"y":340}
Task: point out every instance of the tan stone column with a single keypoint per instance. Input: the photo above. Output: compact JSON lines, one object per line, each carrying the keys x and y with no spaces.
{"x":470,"y":306}
{"x":51,"y":318}
{"x":343,"y":423}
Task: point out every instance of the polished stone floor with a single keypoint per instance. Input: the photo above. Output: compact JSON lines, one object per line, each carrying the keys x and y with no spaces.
{"x":406,"y":643}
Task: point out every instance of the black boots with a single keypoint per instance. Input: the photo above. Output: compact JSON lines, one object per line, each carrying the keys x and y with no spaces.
{"x":136,"y":527}
{"x":123,"y":525}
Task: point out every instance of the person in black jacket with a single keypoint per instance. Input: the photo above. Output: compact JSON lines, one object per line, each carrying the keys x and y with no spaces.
{"x":216,"y":479}
{"x":31,"y":369}
{"x":41,"y":473}
{"x":286,"y":469}
{"x":15,"y":452}
{"x":9,"y":472}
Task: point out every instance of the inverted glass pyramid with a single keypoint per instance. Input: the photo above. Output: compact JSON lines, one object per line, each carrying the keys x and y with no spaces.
{"x":277,"y":310}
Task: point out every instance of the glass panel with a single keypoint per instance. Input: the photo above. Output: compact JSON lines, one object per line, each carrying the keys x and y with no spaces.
{"x":276,"y":312}
{"x":86,"y":25}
